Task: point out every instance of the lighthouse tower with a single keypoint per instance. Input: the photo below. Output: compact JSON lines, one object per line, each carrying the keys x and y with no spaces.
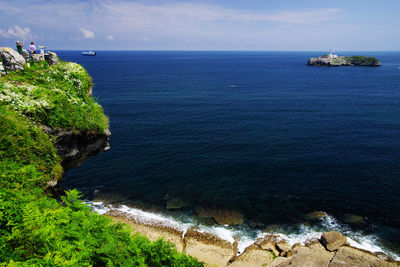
{"x":331,"y":54}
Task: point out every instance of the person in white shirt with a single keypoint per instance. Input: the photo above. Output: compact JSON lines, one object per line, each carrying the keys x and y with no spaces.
{"x":32,"y":48}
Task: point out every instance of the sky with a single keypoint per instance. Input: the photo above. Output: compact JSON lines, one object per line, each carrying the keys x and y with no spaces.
{"x":309,"y":25}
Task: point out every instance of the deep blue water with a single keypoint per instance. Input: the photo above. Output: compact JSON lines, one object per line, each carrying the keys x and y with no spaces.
{"x":260,"y":132}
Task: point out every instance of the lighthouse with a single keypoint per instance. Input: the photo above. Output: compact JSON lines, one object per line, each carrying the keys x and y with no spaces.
{"x":331,"y":54}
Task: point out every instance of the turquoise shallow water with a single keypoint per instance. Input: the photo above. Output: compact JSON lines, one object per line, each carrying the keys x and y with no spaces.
{"x":258,"y":132}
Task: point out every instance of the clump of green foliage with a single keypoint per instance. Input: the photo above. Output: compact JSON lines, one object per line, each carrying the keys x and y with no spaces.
{"x":57,"y":96}
{"x":363,"y":60}
{"x":36,"y":229}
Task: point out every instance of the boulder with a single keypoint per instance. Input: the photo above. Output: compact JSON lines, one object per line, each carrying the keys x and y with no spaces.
{"x":350,"y":256}
{"x":25,"y":55}
{"x":221,"y":216}
{"x":353,"y":219}
{"x":313,"y":256}
{"x":333,"y":240}
{"x":268,"y":243}
{"x":37,"y":57}
{"x":316,"y":215}
{"x":11,"y":59}
{"x":253,"y":256}
{"x":51,"y":58}
{"x":284,"y":247}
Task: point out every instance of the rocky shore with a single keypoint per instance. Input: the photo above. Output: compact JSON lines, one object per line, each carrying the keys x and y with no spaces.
{"x":331,"y":249}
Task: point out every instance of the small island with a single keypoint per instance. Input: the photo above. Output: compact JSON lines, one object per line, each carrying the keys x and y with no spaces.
{"x":335,"y":60}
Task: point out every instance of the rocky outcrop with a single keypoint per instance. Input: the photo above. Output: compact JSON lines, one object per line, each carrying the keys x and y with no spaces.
{"x":270,"y":250}
{"x":344,"y":61}
{"x":36,"y":57}
{"x":350,"y":256}
{"x":253,"y":256}
{"x":11,"y":59}
{"x":75,"y":147}
{"x":333,"y":240}
{"x":221,"y":216}
{"x":51,"y":58}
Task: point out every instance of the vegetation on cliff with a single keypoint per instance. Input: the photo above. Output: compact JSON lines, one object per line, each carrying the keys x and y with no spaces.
{"x":56,"y":96}
{"x":36,"y":229}
{"x":363,"y":60}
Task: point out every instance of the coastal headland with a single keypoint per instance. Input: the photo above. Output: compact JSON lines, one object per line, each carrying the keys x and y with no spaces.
{"x":48,"y":121}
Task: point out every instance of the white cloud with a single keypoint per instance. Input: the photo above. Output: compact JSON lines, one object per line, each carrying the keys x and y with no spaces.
{"x":16,"y":32}
{"x":110,"y":37}
{"x":87,"y":34}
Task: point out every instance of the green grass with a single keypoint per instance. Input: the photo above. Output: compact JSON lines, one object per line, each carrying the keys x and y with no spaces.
{"x":56,"y":96}
{"x":363,"y":60}
{"x":36,"y":229}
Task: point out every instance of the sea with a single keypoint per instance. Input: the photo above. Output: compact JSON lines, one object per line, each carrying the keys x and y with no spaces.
{"x":256,"y":132}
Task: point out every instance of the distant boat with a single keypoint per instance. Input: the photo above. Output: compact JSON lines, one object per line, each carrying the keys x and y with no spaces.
{"x":89,"y":53}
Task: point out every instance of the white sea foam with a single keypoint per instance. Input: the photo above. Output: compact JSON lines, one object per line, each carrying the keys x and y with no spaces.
{"x":246,"y":238}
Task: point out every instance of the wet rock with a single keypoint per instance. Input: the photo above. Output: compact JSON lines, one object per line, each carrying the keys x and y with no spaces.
{"x":353,"y":219}
{"x":253,"y":256}
{"x":176,"y":203}
{"x":350,"y":256}
{"x":316,"y":215}
{"x":273,"y":228}
{"x":333,"y":240}
{"x":11,"y":59}
{"x":221,"y":216}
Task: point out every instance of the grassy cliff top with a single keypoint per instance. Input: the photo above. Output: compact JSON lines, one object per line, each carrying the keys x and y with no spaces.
{"x":35,"y":228}
{"x":56,"y":96}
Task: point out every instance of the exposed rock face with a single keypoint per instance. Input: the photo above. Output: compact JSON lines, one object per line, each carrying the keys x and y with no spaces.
{"x":253,"y":256}
{"x":350,"y":256}
{"x":25,"y":55}
{"x":333,"y":240}
{"x":313,"y":256}
{"x":11,"y":59}
{"x":284,"y":247}
{"x":221,"y":216}
{"x":325,"y":61}
{"x":75,"y":147}
{"x":36,"y":57}
{"x":268,"y":243}
{"x":51,"y":58}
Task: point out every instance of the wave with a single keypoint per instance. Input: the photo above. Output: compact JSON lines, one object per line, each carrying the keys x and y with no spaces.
{"x":247,"y":236}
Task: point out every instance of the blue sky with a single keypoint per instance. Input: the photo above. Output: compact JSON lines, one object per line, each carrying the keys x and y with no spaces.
{"x":351,"y":25}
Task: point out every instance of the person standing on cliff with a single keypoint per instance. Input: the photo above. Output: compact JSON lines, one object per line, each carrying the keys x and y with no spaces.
{"x":32,"y":48}
{"x":19,"y":47}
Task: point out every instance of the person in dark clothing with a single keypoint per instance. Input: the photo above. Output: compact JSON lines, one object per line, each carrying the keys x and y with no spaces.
{"x":19,"y":47}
